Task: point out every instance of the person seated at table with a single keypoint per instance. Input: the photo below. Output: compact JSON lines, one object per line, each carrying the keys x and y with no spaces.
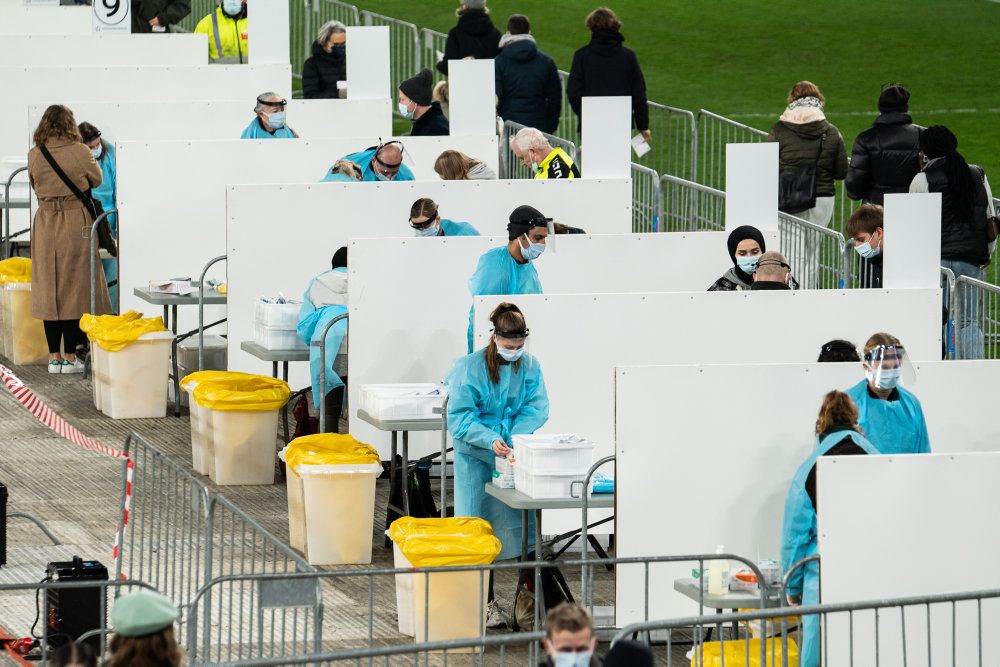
{"x":270,"y":121}
{"x":494,"y":393}
{"x":426,"y":220}
{"x":837,"y":434}
{"x":773,"y":273}
{"x":325,"y":299}
{"x":383,"y":162}
{"x":746,"y":245}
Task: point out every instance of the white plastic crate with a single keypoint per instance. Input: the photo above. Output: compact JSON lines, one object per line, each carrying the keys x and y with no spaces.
{"x":275,"y":339}
{"x":558,"y":452}
{"x":546,"y":484}
{"x":402,"y":401}
{"x":277,"y":315}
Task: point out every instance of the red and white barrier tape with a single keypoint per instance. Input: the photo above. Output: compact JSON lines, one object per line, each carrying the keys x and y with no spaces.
{"x":64,"y":429}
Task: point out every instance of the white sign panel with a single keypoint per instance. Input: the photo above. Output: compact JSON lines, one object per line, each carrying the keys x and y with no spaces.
{"x":112,"y":16}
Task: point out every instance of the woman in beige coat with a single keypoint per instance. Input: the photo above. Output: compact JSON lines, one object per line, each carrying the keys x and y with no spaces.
{"x":60,"y":243}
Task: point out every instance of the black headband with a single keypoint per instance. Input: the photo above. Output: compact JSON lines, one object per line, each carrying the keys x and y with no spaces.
{"x":271,"y":103}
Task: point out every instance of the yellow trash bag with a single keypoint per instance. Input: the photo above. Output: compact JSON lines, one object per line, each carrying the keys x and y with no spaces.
{"x":115,"y":332}
{"x":322,"y":449}
{"x":230,"y":391}
{"x":738,"y":655}
{"x":446,"y":542}
{"x":15,"y":270}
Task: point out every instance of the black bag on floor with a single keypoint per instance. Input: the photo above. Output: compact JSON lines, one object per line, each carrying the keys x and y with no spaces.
{"x":554,"y":588}
{"x":418,"y":479}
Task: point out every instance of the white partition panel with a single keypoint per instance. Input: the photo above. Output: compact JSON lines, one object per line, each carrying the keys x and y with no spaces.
{"x":53,"y":85}
{"x":752,"y":185}
{"x":226,"y":119}
{"x":926,"y":530}
{"x":913,"y":222}
{"x":672,"y":447}
{"x":472,"y":98}
{"x":367,"y":62}
{"x":103,"y":50}
{"x":606,"y":145}
{"x":267,"y":26}
{"x":25,"y":20}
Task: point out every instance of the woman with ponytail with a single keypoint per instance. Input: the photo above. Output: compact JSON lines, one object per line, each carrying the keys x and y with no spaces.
{"x":966,"y":204}
{"x":837,"y":434}
{"x":493,"y":394}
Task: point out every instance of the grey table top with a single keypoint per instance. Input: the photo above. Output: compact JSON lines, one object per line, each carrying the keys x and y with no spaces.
{"x":264,"y":354}
{"x":515,"y":499}
{"x":212,"y":297}
{"x":433,"y":424}
{"x":731,"y":600}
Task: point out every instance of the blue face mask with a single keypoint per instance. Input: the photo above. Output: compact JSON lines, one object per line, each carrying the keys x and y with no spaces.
{"x":867,"y":251}
{"x":232,"y":7}
{"x":748,"y":264}
{"x":430,"y":230}
{"x":567,"y":659}
{"x":533,"y":251}
{"x":276,"y":119}
{"x":404,"y":110}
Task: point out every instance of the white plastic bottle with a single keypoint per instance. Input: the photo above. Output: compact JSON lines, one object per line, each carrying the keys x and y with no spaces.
{"x":718,"y":574}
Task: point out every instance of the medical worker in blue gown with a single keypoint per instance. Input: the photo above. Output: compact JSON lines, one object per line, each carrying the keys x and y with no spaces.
{"x":493,"y":394}
{"x":325,"y":299}
{"x":270,"y":121}
{"x":106,"y":193}
{"x":383,"y":162}
{"x":889,"y":415}
{"x":510,"y":269}
{"x":426,"y":220}
{"x":837,"y":434}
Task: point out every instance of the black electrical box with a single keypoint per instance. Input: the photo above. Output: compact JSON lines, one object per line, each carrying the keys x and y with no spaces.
{"x":3,"y":525}
{"x":75,"y":611}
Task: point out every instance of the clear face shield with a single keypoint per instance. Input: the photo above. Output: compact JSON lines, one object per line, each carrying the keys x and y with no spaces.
{"x":888,"y":366}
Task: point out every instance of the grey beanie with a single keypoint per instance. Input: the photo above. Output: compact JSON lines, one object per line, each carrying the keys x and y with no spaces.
{"x":474,"y":4}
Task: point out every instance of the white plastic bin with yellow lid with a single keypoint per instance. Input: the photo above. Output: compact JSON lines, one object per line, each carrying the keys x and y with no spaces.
{"x":331,"y":498}
{"x":242,"y":412}
{"x":22,"y":337}
{"x":130,"y":362}
{"x":442,"y":605}
{"x":202,"y":451}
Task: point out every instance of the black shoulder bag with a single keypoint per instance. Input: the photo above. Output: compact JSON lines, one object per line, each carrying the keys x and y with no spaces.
{"x":797,"y":187}
{"x":104,"y":237}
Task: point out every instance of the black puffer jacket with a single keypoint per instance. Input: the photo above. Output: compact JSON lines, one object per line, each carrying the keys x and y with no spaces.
{"x":604,"y":67}
{"x":799,"y":144}
{"x":168,"y":11}
{"x":884,"y":158}
{"x":432,"y":124}
{"x":962,"y":239}
{"x":474,"y":35}
{"x":528,"y":86}
{"x":321,"y":72}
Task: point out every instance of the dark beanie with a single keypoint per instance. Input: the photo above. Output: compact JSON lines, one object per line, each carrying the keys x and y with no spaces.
{"x":626,"y":653}
{"x":741,"y":234}
{"x":339,"y":258}
{"x":419,"y":87}
{"x":894,"y":98}
{"x":938,"y":141}
{"x":522,"y":219}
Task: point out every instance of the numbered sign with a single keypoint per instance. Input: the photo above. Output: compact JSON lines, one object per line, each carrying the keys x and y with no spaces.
{"x":112,"y":16}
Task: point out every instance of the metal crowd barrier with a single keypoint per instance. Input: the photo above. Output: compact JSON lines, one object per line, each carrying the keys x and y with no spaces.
{"x":858,"y":273}
{"x":510,"y":166}
{"x":645,"y":199}
{"x":404,"y":48}
{"x":673,"y":145}
{"x":712,"y":133}
{"x":568,"y":128}
{"x":334,"y":10}
{"x":431,"y":44}
{"x":686,"y":206}
{"x":947,"y":300}
{"x":976,"y":319}
{"x":814,"y":252}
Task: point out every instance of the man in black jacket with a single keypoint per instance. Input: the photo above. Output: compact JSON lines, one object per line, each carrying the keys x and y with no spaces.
{"x":884,"y":158}
{"x":527,"y":82}
{"x":158,"y":15}
{"x":416,"y":104}
{"x":474,"y":36}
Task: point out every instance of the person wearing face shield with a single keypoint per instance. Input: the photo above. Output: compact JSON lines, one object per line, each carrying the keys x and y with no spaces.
{"x":270,"y":121}
{"x":837,"y":434}
{"x":889,"y":414}
{"x":746,"y":245}
{"x":227,"y":30}
{"x":383,"y":162}
{"x":865,"y":227}
{"x":570,"y":640}
{"x":493,"y":394}
{"x":426,"y":220}
{"x":510,"y":269}
{"x":417,"y":104}
{"x":106,"y":193}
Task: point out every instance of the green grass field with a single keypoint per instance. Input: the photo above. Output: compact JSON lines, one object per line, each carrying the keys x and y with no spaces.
{"x":739,"y":58}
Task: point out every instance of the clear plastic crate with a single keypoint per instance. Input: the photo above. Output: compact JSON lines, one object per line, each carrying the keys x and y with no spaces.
{"x":277,"y":315}
{"x":276,"y":339}
{"x":556,"y":453}
{"x":402,"y":401}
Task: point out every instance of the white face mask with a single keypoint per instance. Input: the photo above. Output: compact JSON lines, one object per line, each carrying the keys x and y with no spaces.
{"x":429,"y":230}
{"x":568,"y":659}
{"x":96,"y":152}
{"x":510,"y":355}
{"x":404,"y":110}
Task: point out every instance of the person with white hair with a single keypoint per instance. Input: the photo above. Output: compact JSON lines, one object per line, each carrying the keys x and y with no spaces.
{"x":270,"y":120}
{"x":532,"y":148}
{"x":327,"y":66}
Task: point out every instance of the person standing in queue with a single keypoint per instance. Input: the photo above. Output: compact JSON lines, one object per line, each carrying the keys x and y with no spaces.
{"x":888,"y":413}
{"x":510,"y":269}
{"x":837,"y":434}
{"x":493,"y":394}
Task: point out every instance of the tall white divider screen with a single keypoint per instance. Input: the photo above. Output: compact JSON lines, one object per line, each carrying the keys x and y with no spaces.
{"x":913,"y":222}
{"x":925,"y":531}
{"x":607,"y":123}
{"x":472,"y":96}
{"x":102,"y":50}
{"x":23,"y":20}
{"x":268,"y":30}
{"x":752,"y":185}
{"x":367,"y":62}
{"x":672,"y":450}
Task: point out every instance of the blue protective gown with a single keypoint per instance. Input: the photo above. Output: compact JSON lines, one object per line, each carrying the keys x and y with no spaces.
{"x":798,"y":540}
{"x":499,"y":273}
{"x":480,"y":412}
{"x":107,"y":194}
{"x":363,"y":159}
{"x":312,"y":320}
{"x":894,"y":427}
{"x":256,"y":131}
{"x":452,"y":228}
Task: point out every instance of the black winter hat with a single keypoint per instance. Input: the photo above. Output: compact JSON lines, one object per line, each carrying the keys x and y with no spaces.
{"x":419,"y":87}
{"x":522,"y":219}
{"x":741,"y":234}
{"x":894,"y":98}
{"x":938,"y":141}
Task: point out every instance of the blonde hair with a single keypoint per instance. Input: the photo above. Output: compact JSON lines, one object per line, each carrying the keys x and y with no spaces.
{"x":837,"y":410}
{"x":57,"y":123}
{"x":805,"y":89}
{"x":454,"y":165}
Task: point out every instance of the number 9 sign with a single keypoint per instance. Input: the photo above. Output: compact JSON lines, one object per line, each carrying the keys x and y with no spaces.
{"x":112,"y":16}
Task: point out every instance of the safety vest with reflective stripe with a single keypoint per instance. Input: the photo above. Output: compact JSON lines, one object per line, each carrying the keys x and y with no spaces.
{"x":226,"y":36}
{"x":557,"y":164}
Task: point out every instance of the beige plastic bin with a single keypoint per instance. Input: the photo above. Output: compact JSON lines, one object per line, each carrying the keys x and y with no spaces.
{"x":242,"y":446}
{"x":202,"y":452}
{"x":132,"y":382}
{"x":23,"y":337}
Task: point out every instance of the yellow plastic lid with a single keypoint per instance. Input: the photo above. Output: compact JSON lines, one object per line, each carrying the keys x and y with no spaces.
{"x":322,"y":449}
{"x":115,"y":332}
{"x":243,"y":392}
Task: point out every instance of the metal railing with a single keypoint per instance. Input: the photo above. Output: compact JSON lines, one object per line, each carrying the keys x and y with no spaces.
{"x":404,"y":48}
{"x":431,"y":45}
{"x":975,"y":319}
{"x":568,"y":127}
{"x":686,"y":206}
{"x":859,"y":273}
{"x":6,"y":211}
{"x":948,"y":300}
{"x":815,"y":253}
{"x":674,"y":141}
{"x":321,"y":344}
{"x":510,"y":166}
{"x":645,"y":199}
{"x":95,"y":253}
{"x":712,"y":133}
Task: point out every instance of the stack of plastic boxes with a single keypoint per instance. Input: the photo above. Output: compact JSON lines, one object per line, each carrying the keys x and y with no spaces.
{"x":545,"y":466}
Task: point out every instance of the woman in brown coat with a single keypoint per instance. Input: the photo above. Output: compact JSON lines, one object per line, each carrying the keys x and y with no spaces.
{"x":60,"y":243}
